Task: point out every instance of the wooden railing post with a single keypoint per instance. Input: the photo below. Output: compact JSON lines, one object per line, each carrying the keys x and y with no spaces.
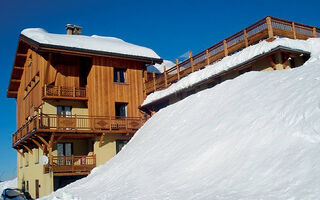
{"x":165,"y":76}
{"x":144,"y":87}
{"x":72,"y":162}
{"x":293,"y":30}
{"x":225,"y":47}
{"x":191,"y":61}
{"x":154,"y":81}
{"x":74,"y":91}
{"x":178,"y":69}
{"x":207,"y":57}
{"x":270,"y":30}
{"x":245,"y":37}
{"x":59,"y":90}
{"x":75,"y":118}
{"x":314,"y":32}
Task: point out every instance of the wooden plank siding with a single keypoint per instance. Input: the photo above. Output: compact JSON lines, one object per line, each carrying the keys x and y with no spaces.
{"x":103,"y":92}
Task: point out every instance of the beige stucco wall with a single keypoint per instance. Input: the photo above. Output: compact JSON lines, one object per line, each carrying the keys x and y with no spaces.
{"x":106,"y":151}
{"x":78,"y":107}
{"x":33,"y":171}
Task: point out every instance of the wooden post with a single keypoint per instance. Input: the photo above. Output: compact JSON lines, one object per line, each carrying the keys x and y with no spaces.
{"x":165,"y":76}
{"x":270,"y":30}
{"x":144,"y":87}
{"x":225,"y":47}
{"x":294,"y":31}
{"x":59,"y":90}
{"x":45,"y":90}
{"x":75,"y":118}
{"x":178,"y":69}
{"x":207,"y":57}
{"x":72,"y":162}
{"x":154,"y":81}
{"x":191,"y":61}
{"x":314,"y":32}
{"x":74,"y":91}
{"x":245,"y":37}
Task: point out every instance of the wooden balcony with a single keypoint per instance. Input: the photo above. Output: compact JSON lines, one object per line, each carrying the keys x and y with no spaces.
{"x":62,"y":92}
{"x":49,"y":123}
{"x":71,"y":165}
{"x":268,"y":27}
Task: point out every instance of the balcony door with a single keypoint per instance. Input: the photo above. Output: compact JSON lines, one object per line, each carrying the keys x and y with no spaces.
{"x":64,"y":151}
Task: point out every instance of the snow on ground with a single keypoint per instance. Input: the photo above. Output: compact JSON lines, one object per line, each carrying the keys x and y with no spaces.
{"x":94,"y":42}
{"x":158,"y":68}
{"x":8,"y":184}
{"x":227,"y":63}
{"x":253,"y":137}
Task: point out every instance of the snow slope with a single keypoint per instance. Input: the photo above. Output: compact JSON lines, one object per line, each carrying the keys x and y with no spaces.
{"x":253,"y":137}
{"x":8,"y":184}
{"x":227,"y":63}
{"x":96,"y":43}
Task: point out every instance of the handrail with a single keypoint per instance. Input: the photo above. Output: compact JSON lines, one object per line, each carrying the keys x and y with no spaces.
{"x":75,"y":123}
{"x":262,"y":29}
{"x":71,"y":164}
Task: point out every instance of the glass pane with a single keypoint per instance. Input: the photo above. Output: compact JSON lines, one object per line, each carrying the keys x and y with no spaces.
{"x":68,"y":149}
{"x":122,"y":75}
{"x":123,"y":110}
{"x":60,"y":149}
{"x":67,"y":110}
{"x":59,"y":110}
{"x":115,"y":75}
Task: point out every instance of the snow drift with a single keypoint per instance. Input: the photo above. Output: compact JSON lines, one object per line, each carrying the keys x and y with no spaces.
{"x":254,"y":137}
{"x":8,"y":184}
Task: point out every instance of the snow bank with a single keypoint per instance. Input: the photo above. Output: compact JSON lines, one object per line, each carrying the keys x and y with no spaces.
{"x":8,"y":184}
{"x":227,"y":63}
{"x":253,"y":137}
{"x":158,"y":68}
{"x":96,"y":43}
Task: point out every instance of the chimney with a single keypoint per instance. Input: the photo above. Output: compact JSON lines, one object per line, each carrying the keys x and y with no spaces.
{"x":73,"y":29}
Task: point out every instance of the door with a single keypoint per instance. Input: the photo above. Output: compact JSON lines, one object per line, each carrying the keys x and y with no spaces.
{"x":64,"y":150}
{"x":37,"y":186}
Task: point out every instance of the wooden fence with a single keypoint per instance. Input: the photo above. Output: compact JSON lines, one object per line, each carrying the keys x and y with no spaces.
{"x":268,"y":27}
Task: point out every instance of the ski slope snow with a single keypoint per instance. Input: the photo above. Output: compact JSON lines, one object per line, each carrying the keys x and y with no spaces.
{"x":253,"y":137}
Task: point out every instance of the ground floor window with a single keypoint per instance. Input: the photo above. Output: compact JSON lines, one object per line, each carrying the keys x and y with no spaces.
{"x":120,"y":144}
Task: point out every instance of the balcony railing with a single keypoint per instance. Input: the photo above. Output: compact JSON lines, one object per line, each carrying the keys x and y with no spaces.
{"x":71,"y":164}
{"x":76,"y":124}
{"x":64,"y":92}
{"x":265,"y":28}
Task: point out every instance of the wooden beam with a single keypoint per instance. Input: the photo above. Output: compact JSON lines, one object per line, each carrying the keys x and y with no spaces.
{"x":293,"y":30}
{"x":314,"y":32}
{"x":22,"y":54}
{"x":18,"y":67}
{"x":101,"y":140}
{"x":178,"y":69}
{"x":43,"y":140}
{"x":191,"y":61}
{"x":225,"y":48}
{"x":28,"y":149}
{"x":245,"y":37}
{"x":51,"y":140}
{"x":22,"y":154}
{"x":165,"y":76}
{"x":154,"y":81}
{"x":207,"y":57}
{"x":38,"y":144}
{"x":272,"y":63}
{"x":15,"y":80}
{"x":269,"y":25}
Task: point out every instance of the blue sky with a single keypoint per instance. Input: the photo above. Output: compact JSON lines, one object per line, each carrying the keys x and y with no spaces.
{"x":171,"y":28}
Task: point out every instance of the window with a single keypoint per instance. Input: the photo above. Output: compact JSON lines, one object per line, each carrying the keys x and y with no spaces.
{"x":26,"y":155}
{"x":119,"y":75}
{"x":121,"y":109}
{"x":36,"y":156}
{"x":64,"y":110}
{"x":120,"y":144}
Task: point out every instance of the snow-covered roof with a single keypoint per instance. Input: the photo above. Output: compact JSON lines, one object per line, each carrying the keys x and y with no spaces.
{"x":226,"y":64}
{"x":158,"y":68}
{"x":96,"y":43}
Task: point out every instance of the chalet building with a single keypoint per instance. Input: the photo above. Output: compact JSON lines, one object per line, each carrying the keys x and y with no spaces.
{"x":79,"y":98}
{"x":77,"y":104}
{"x":278,"y":58}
